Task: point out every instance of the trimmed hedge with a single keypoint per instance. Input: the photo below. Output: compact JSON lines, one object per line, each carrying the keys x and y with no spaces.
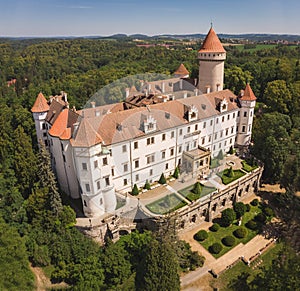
{"x":201,"y":235}
{"x":147,"y":185}
{"x":251,"y":224}
{"x":215,"y":227}
{"x":260,"y":217}
{"x":228,"y":241}
{"x":135,"y":190}
{"x":254,"y":202}
{"x":162,"y":180}
{"x":240,"y":232}
{"x":215,"y":248}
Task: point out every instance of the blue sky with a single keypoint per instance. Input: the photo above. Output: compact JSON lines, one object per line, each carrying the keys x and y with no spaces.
{"x":105,"y":17}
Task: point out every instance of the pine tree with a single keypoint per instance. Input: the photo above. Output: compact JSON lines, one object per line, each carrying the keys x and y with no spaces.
{"x":197,"y":188}
{"x":162,"y":180}
{"x":147,"y":185}
{"x":47,"y":180}
{"x":25,"y":161}
{"x":159,"y":269}
{"x":230,"y":172}
{"x":176,"y":173}
{"x":135,"y":190}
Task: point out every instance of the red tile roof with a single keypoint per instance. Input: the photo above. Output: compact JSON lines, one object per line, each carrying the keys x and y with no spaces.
{"x":248,"y":94}
{"x":40,"y":104}
{"x":181,"y":71}
{"x":59,"y":127}
{"x":212,"y":43}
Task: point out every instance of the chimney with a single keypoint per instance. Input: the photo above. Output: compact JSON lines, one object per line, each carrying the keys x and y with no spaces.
{"x":127,"y":92}
{"x":75,"y":125}
{"x":218,"y":87}
{"x":196,"y":92}
{"x":93,"y":103}
{"x":207,"y":89}
{"x":97,"y":113}
{"x":163,"y":87}
{"x":51,"y":99}
{"x":180,"y":84}
{"x":242,"y":92}
{"x":185,"y":95}
{"x":74,"y":109}
{"x":64,"y":96}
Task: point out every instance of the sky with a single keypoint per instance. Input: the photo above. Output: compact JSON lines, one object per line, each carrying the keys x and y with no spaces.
{"x":107,"y":17}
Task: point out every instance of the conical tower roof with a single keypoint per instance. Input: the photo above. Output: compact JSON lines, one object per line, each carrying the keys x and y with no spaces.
{"x":212,"y":43}
{"x":181,"y":70}
{"x":248,"y":94}
{"x":40,"y":104}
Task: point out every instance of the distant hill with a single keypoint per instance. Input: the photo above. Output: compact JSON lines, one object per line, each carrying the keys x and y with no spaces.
{"x":248,"y":36}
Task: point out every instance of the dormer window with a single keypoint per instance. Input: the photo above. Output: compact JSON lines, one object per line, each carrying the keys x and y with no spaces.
{"x":192,"y":113}
{"x":223,"y":105}
{"x":149,"y":124}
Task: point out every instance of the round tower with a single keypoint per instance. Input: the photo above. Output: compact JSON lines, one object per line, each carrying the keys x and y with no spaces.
{"x":247,"y":102}
{"x":39,"y":111}
{"x":211,"y":64}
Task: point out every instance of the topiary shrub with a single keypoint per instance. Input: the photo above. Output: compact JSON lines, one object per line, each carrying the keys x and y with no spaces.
{"x":215,"y":227}
{"x":197,"y":188}
{"x":176,"y":173}
{"x":230,"y":172}
{"x":228,"y":216}
{"x":251,"y":224}
{"x":254,"y":202}
{"x":147,"y":186}
{"x":268,"y":211}
{"x":162,"y":180}
{"x":135,"y":190}
{"x":201,"y":235}
{"x":240,"y":232}
{"x":240,"y":209}
{"x":260,"y":217}
{"x":228,"y":241}
{"x":215,"y":248}
{"x":248,"y":207}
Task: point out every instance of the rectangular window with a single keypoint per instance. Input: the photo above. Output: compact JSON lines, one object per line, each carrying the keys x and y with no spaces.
{"x":188,"y":129}
{"x":167,"y":166}
{"x":204,"y":124}
{"x":112,"y":171}
{"x":150,"y":159}
{"x":150,"y":140}
{"x":223,"y":118}
{"x":124,"y":148}
{"x":216,"y":135}
{"x":251,"y":113}
{"x":172,"y":152}
{"x":217,"y":120}
{"x":196,"y":127}
{"x":211,"y":122}
{"x":137,"y":178}
{"x":101,"y":201}
{"x":163,"y":154}
{"x":226,"y":131}
{"x":135,"y":145}
{"x":163,"y":137}
{"x":98,"y":185}
{"x":150,"y":172}
{"x":233,"y":115}
{"x":203,"y":140}
{"x":125,"y":182}
{"x":84,"y":166}
{"x":125,"y":167}
{"x":221,"y":134}
{"x":245,"y":114}
{"x":209,"y":138}
{"x":104,"y":161}
{"x":43,"y":126}
{"x":172,"y":134}
{"x":136,"y":164}
{"x":243,"y":128}
{"x":249,"y":127}
{"x":107,"y":183}
{"x":44,"y":134}
{"x":232,"y":129}
{"x":96,"y":164}
{"x":195,"y":144}
{"x":180,"y":131}
{"x":87,"y":187}
{"x":237,"y":129}
{"x":180,"y":149}
{"x":228,"y":116}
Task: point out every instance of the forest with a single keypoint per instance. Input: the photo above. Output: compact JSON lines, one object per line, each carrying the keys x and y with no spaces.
{"x":37,"y":225}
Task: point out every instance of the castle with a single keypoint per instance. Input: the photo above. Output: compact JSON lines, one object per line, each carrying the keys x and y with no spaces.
{"x":101,"y":150}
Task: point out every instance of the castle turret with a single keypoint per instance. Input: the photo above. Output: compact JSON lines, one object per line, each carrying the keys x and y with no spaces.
{"x":39,"y":111}
{"x":181,"y":72}
{"x":247,"y":102}
{"x":211,"y":64}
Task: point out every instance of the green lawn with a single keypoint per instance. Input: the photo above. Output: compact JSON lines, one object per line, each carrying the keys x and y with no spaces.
{"x":223,"y":281}
{"x":187,"y":193}
{"x":248,"y":168}
{"x":226,"y":180}
{"x":166,"y":204}
{"x":224,"y":231}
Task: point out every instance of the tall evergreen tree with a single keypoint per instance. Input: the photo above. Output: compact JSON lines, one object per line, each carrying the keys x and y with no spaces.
{"x":25,"y":162}
{"x":159,"y":269}
{"x":47,"y":180}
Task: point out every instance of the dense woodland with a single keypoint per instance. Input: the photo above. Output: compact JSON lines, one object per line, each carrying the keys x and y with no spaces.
{"x":35,"y":223}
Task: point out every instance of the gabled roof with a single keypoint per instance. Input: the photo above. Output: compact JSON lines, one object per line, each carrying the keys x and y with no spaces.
{"x":248,"y":94}
{"x":212,"y":43}
{"x":181,"y":71}
{"x":40,"y":104}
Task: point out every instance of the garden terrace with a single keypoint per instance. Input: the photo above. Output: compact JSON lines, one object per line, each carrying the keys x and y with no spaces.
{"x":187,"y":192}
